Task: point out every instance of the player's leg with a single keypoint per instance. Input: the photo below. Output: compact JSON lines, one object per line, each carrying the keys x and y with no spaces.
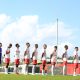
{"x":17,"y":69}
{"x":64,"y":67}
{"x":74,"y":74}
{"x":7,"y":61}
{"x":52,"y":68}
{"x":75,"y":68}
{"x":43,"y":69}
{"x":26,"y":68}
{"x":43,"y":66}
{"x":33,"y":69}
{"x":16,"y":66}
{"x":34,"y":66}
{"x":6,"y":68}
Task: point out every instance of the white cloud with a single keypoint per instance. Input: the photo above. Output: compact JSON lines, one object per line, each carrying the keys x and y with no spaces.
{"x":22,"y":28}
{"x":50,"y":30}
{"x":3,"y":20}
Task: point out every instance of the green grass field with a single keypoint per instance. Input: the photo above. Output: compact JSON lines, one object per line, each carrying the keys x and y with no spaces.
{"x":36,"y":77}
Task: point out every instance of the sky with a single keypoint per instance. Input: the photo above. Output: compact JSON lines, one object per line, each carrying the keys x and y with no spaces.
{"x":35,"y":21}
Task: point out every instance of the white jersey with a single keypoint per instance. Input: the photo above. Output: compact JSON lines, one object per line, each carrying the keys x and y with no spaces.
{"x":44,"y":55}
{"x":27,"y":54}
{"x":75,"y":57}
{"x":35,"y":55}
{"x":17,"y":54}
{"x":7,"y":55}
{"x":65,"y":56}
{"x":54,"y":57}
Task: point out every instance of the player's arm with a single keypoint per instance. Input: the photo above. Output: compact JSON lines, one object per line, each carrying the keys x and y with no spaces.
{"x":42,"y":56}
{"x":5,"y":53}
{"x":33,"y":54}
{"x":63,"y":55}
{"x":51,"y":56}
{"x":74,"y":57}
{"x":25,"y":53}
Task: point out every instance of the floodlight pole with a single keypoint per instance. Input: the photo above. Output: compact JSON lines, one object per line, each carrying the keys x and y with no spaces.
{"x":57,"y":37}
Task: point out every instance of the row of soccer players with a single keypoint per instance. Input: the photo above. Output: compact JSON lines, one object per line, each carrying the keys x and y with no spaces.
{"x":53,"y":58}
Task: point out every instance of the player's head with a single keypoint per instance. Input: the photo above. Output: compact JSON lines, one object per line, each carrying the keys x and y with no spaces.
{"x":66,"y":47}
{"x":44,"y":46}
{"x":10,"y":45}
{"x":76,"y":48}
{"x":36,"y":46}
{"x":0,"y":44}
{"x":55,"y":48}
{"x":28,"y":44}
{"x":17,"y":45}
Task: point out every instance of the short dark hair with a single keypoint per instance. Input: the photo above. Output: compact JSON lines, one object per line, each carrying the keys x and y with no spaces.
{"x":10,"y":45}
{"x":17,"y":45}
{"x":55,"y":47}
{"x":1,"y":43}
{"x":36,"y":45}
{"x":28,"y":44}
{"x":66,"y":46}
{"x":76,"y":47}
{"x":45,"y":46}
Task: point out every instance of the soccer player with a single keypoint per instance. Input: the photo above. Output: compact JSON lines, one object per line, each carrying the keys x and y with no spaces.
{"x":0,"y":52}
{"x":7,"y":58}
{"x":43,"y":58}
{"x":75,"y":60}
{"x":65,"y":57}
{"x":17,"y":56}
{"x":34,"y":59}
{"x":26,"y":58}
{"x":53,"y":59}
